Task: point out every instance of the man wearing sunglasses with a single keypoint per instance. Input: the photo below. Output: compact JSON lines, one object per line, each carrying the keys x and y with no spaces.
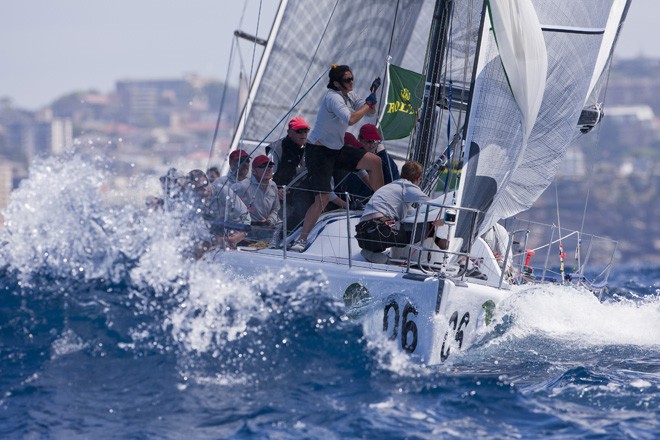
{"x":259,"y":194}
{"x":288,"y":153}
{"x":239,"y":166}
{"x":226,"y":224}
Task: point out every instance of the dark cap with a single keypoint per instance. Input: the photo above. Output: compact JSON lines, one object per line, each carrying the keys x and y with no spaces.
{"x":350,"y":140}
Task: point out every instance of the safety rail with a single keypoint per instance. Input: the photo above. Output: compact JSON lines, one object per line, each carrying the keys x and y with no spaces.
{"x":518,"y":259}
{"x":457,"y":249}
{"x":592,"y":256}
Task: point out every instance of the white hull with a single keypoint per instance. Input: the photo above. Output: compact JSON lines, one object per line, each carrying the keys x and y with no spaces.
{"x":429,"y":316}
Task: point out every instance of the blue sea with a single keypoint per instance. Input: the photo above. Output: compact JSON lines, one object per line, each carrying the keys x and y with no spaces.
{"x":107,"y":331}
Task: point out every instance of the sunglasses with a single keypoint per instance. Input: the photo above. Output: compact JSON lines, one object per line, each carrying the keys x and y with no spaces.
{"x":269,"y":165}
{"x":347,"y":80}
{"x":302,"y":130}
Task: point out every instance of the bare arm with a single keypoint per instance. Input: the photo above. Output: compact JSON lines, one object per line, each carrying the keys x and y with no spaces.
{"x":360,"y":113}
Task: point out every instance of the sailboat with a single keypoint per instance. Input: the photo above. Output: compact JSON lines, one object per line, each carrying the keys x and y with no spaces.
{"x":509,"y":84}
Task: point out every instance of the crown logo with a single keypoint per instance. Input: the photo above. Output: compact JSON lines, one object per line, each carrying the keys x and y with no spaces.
{"x":405,"y":94}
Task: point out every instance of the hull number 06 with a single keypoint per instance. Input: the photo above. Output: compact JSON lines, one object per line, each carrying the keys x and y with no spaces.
{"x":408,"y":327}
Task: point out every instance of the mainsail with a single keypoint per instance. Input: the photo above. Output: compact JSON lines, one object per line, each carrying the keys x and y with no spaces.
{"x":310,"y":36}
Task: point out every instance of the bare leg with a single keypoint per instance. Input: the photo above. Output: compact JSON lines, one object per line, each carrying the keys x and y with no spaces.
{"x":374,"y":167}
{"x":313,"y":214}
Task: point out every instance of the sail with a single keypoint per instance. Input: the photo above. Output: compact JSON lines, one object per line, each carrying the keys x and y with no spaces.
{"x":505,"y":174}
{"x":310,"y":36}
{"x":521,"y":46}
{"x":617,"y":15}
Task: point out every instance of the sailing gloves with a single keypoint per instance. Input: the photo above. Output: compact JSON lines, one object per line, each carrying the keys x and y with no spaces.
{"x":371,"y":100}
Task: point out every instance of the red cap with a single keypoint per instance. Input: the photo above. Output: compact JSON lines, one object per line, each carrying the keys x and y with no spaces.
{"x":260,"y":160}
{"x":238,"y":154}
{"x":351,"y":140}
{"x":369,"y":132}
{"x":297,"y":123}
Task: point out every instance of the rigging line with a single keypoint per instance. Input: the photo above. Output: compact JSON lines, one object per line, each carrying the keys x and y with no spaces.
{"x":254,"y":45}
{"x":281,"y":119}
{"x":250,"y":77}
{"x":287,"y":113}
{"x":466,"y":58}
{"x":396,"y":14}
{"x":312,"y":58}
{"x":561,"y":244}
{"x":234,"y":44}
{"x":389,"y":56}
{"x":595,"y":145}
{"x":222,"y":101}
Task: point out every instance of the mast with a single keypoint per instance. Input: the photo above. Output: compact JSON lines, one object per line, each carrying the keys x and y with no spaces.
{"x":236,"y":140}
{"x":432,"y":89}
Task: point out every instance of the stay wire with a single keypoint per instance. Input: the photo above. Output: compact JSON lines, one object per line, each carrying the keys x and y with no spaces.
{"x":388,"y":58}
{"x":230,"y":64}
{"x":277,"y":124}
{"x":254,"y":51}
{"x":222,"y":102}
{"x":312,"y":58}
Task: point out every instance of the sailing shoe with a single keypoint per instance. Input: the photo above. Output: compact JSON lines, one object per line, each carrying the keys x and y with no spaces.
{"x":298,"y":245}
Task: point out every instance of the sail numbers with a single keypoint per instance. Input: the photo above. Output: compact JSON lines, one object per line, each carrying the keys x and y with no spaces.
{"x":458,"y":333}
{"x":408,"y":327}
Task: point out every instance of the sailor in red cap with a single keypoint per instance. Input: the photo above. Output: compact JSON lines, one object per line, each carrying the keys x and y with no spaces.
{"x":239,"y":166}
{"x":259,"y":193}
{"x":288,"y":156}
{"x":369,"y":139}
{"x":288,"y":153}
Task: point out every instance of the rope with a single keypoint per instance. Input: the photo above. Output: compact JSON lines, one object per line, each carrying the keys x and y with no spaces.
{"x":311,"y":61}
{"x":222,"y":102}
{"x":387,"y":58}
{"x":254,"y":50}
{"x":561,"y":244}
{"x":281,"y":120}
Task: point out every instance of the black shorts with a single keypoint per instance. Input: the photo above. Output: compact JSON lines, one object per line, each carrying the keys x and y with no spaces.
{"x":377,"y":235}
{"x":322,"y":163}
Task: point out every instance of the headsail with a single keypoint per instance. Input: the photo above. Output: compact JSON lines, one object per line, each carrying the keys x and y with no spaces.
{"x":504,"y":178}
{"x":617,"y":16}
{"x":520,"y":42}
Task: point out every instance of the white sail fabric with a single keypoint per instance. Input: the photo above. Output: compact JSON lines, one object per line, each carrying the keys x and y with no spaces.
{"x":508,"y":167}
{"x":311,"y":36}
{"x":617,"y":14}
{"x":521,"y":46}
{"x":503,"y":178}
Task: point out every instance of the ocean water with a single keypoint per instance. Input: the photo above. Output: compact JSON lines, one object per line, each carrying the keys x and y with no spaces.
{"x":106,"y":331}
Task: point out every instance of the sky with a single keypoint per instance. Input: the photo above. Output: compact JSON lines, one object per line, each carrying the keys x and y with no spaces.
{"x":49,"y":48}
